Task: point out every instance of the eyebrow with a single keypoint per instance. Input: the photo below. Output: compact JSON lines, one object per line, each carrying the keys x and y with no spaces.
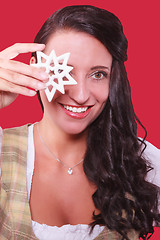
{"x":100,"y":67}
{"x":92,"y":68}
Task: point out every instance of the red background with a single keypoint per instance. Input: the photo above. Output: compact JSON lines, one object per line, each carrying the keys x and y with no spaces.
{"x":20,"y":20}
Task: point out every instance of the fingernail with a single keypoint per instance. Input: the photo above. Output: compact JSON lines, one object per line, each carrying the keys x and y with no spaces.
{"x":32,"y":93}
{"x":40,"y":46}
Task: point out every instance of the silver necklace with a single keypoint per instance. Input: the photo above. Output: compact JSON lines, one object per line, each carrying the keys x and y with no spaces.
{"x":70,"y":169}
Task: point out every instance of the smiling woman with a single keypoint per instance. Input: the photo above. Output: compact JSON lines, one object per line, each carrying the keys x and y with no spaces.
{"x":90,"y":92}
{"x":88,"y":174}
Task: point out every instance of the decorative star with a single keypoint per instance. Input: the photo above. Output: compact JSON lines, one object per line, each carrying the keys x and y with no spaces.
{"x":57,"y":71}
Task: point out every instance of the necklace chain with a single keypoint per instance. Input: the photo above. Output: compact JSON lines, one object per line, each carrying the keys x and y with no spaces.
{"x":70,"y":169}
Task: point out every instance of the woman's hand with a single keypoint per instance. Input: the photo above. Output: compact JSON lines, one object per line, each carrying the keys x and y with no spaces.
{"x":19,"y":78}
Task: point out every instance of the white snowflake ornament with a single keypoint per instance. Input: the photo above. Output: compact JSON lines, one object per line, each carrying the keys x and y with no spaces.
{"x":57,"y":71}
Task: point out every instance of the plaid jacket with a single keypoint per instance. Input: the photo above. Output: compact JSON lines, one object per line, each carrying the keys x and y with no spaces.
{"x":15,"y":216}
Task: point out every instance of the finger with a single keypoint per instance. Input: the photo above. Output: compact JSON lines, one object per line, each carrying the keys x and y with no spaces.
{"x":22,"y":80}
{"x":14,"y":50}
{"x":14,"y":88}
{"x":24,"y":69}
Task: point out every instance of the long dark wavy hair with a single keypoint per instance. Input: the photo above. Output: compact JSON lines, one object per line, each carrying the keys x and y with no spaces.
{"x":114,"y":158}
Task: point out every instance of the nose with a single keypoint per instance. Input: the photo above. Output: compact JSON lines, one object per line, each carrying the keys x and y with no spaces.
{"x":80,"y":92}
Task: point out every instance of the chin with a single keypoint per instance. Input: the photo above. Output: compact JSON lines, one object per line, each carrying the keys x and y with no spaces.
{"x":74,"y":130}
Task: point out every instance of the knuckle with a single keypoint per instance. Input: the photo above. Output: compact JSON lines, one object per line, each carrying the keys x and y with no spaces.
{"x":11,"y":87}
{"x":1,"y":61}
{"x":13,"y":65}
{"x":14,"y":77}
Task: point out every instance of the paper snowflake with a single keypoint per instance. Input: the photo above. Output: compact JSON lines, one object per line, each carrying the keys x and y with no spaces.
{"x":58,"y":72}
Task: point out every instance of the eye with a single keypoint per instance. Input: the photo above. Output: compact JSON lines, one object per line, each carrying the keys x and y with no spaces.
{"x":99,"y":75}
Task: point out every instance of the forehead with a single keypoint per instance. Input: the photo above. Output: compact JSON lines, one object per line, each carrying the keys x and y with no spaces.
{"x":81,"y":45}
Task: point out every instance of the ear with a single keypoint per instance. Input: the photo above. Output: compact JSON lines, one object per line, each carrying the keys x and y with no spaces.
{"x":32,"y":60}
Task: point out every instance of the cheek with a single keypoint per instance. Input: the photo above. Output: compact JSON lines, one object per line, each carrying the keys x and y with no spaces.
{"x":104,"y":95}
{"x":101,"y":93}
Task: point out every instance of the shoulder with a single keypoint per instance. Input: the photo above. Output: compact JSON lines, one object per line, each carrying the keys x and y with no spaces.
{"x":14,"y":144}
{"x":16,"y":130}
{"x":152,"y":155}
{"x":12,"y":139}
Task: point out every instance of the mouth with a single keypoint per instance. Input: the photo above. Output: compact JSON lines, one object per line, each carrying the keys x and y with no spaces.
{"x":76,"y":111}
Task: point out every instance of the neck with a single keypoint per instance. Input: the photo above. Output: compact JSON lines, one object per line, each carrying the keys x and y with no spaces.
{"x":67,"y":147}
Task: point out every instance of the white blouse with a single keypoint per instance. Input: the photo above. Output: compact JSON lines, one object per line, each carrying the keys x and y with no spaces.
{"x":80,"y":231}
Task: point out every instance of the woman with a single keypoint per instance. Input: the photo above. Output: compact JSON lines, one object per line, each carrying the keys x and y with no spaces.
{"x":85,"y":164}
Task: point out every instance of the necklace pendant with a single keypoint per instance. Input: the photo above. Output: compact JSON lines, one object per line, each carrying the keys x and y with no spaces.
{"x":70,"y":171}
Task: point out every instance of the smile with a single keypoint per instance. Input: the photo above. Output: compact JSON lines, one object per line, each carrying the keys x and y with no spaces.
{"x":76,"y":112}
{"x":75,"y":109}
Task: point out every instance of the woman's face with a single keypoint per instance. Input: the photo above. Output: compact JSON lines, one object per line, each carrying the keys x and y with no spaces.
{"x":81,"y":104}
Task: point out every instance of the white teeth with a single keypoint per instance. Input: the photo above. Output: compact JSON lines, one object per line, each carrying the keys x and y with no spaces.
{"x":79,"y":110}
{"x":75,"y":109}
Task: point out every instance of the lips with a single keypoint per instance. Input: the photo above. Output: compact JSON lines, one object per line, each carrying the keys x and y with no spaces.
{"x":77,"y":112}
